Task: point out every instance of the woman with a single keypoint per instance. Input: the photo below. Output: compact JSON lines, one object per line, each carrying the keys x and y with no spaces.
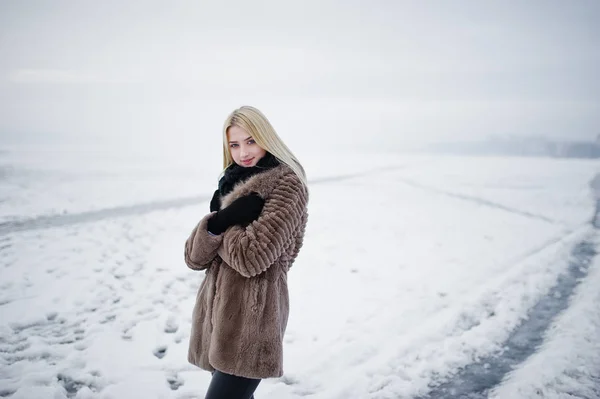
{"x":246,"y":244}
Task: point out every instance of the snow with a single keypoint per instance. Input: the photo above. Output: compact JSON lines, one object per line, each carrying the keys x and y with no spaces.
{"x":413,"y":267}
{"x":571,"y":348}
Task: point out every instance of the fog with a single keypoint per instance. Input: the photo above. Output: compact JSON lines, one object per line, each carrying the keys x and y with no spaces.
{"x":333,"y":75}
{"x":111,"y":118}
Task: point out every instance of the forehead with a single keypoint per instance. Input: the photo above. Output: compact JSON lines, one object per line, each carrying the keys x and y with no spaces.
{"x":236,"y":133}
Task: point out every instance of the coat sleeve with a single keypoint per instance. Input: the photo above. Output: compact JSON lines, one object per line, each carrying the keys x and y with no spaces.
{"x":201,"y":247}
{"x":253,"y":249}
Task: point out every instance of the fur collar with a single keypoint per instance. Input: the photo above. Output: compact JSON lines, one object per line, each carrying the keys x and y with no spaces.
{"x":262,"y":184}
{"x":236,"y":173}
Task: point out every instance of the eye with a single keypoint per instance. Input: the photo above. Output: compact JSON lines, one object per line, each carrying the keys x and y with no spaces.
{"x":251,"y":141}
{"x":233,"y":145}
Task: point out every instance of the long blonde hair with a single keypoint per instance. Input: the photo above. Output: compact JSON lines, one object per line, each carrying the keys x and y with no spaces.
{"x":258,"y":126}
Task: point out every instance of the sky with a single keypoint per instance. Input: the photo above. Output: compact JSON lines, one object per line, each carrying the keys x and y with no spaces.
{"x":381,"y":74}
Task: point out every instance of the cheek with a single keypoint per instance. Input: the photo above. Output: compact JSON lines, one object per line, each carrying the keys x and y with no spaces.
{"x":260,"y":152}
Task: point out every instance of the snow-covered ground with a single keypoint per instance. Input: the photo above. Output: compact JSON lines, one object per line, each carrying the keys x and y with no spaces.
{"x":417,"y":273}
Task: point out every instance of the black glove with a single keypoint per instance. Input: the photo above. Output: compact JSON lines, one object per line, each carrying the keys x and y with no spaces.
{"x":215,"y":202}
{"x":241,"y":212}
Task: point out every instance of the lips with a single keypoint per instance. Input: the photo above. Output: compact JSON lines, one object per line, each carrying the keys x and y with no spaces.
{"x":248,"y":162}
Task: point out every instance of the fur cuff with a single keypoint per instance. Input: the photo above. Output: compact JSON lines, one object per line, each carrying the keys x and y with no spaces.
{"x":201,"y":246}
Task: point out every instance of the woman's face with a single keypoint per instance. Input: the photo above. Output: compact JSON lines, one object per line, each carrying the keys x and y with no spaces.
{"x":243,"y":149}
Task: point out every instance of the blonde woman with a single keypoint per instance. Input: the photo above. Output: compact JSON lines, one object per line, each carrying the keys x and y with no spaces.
{"x":246,"y":244}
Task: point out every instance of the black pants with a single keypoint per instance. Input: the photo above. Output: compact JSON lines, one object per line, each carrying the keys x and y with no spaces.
{"x":227,"y":386}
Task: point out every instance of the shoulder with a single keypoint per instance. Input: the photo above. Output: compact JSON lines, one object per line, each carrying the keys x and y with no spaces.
{"x":280,"y":177}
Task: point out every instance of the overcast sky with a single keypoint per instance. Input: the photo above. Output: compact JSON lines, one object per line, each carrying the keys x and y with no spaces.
{"x":407,"y":71}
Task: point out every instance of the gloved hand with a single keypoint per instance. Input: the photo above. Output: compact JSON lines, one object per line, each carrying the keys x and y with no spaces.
{"x":215,"y":202}
{"x":241,"y":212}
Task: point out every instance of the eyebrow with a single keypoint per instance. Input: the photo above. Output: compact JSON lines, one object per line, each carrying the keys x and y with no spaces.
{"x":249,"y":137}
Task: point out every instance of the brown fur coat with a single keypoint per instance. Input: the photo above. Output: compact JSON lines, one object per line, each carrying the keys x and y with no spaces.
{"x":242,"y":305}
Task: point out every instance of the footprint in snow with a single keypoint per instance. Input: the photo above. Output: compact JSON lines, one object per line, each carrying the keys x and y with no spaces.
{"x":171,"y":326}
{"x":160,"y":352}
{"x":174,"y":382}
{"x":5,"y":393}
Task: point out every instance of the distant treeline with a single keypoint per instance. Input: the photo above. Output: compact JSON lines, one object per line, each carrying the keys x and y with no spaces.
{"x":523,"y":147}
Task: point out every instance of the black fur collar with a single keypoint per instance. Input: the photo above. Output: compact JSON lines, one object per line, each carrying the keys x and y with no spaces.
{"x":236,"y":173}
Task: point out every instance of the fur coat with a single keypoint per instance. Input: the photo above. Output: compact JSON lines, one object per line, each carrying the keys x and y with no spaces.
{"x":242,"y":305}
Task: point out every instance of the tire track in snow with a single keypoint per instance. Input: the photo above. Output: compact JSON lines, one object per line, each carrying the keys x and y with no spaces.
{"x":479,"y":201}
{"x":477,"y":379}
{"x":371,"y":357}
{"x":60,"y":220}
{"x":50,"y":221}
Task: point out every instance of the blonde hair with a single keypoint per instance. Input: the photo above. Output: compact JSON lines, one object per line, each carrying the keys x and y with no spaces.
{"x":258,"y":126}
